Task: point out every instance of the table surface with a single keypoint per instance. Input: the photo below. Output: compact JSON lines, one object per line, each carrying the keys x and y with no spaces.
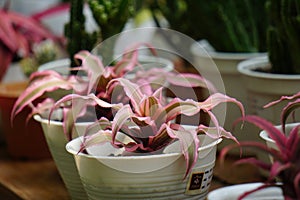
{"x":39,"y":179}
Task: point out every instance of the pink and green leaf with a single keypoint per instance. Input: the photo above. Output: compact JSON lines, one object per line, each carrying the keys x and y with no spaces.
{"x":120,"y":118}
{"x":282,"y":98}
{"x":149,"y":106}
{"x":92,"y":65}
{"x":79,"y":105}
{"x":190,"y":80}
{"x":215,"y":99}
{"x":189,"y":143}
{"x":273,"y":132}
{"x":175,"y":108}
{"x":287,"y":110}
{"x":132,"y":91}
{"x":101,"y":124}
{"x":37,"y":89}
{"x":101,"y":137}
{"x":214,"y":132}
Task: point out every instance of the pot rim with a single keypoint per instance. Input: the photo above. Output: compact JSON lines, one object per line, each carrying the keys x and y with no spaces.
{"x":247,"y":67}
{"x":264,"y":134}
{"x":38,"y":118}
{"x":140,"y":157}
{"x":198,"y":51}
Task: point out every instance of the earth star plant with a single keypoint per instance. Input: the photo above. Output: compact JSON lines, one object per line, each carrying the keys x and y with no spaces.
{"x":148,"y":121}
{"x":95,"y":79}
{"x":142,"y":113}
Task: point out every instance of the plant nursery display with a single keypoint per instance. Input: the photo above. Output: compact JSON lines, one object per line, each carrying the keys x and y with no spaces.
{"x":283,"y":148}
{"x":46,"y":87}
{"x":147,"y":124}
{"x":130,"y":114}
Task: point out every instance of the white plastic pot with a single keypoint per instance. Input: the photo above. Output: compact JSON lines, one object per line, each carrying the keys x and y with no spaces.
{"x":145,"y":176}
{"x":270,"y":142}
{"x":65,"y":163}
{"x":234,"y":191}
{"x":213,"y":64}
{"x":263,"y":88}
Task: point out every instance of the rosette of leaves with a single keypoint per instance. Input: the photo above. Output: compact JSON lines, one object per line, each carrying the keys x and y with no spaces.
{"x":148,"y":119}
{"x":91,"y":89}
{"x":285,"y":167}
{"x":95,"y":79}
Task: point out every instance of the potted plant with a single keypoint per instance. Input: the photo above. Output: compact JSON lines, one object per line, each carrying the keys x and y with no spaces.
{"x":55,"y":85}
{"x":269,"y":77}
{"x":93,"y":77}
{"x":225,"y":33}
{"x":20,"y":36}
{"x":282,"y":144}
{"x":16,"y":134}
{"x":144,"y":131}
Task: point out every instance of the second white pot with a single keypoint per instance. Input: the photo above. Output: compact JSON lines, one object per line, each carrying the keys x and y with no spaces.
{"x":64,"y":162}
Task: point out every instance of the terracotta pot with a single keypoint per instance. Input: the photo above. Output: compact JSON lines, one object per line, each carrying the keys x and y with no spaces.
{"x":23,"y":140}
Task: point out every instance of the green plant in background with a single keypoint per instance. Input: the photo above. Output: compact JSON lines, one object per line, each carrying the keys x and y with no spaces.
{"x":111,"y":17}
{"x":75,"y":32}
{"x":283,"y":36}
{"x":229,"y":26}
{"x":42,"y":53}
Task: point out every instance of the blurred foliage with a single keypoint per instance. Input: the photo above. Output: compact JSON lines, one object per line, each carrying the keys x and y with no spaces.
{"x":42,"y":53}
{"x":229,"y":26}
{"x":111,"y":17}
{"x":283,"y":36}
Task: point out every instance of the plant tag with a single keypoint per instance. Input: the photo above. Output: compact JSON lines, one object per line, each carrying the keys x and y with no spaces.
{"x":198,"y":182}
{"x":194,"y":183}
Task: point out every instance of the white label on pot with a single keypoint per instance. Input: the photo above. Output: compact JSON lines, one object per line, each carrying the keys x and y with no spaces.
{"x":199,"y":182}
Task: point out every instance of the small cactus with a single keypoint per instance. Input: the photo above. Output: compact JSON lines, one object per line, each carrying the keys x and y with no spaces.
{"x":42,"y":53}
{"x":110,"y":16}
{"x":78,"y":38}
